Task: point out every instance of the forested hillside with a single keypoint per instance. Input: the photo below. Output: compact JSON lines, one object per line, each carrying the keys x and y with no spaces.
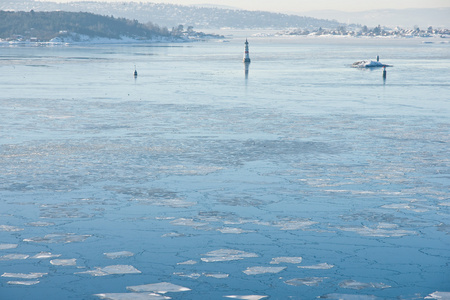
{"x":47,"y":25}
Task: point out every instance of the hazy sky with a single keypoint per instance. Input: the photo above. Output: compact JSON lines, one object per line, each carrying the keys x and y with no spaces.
{"x":307,"y":5}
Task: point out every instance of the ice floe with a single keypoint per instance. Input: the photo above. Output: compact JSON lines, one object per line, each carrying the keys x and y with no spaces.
{"x":64,"y":262}
{"x":174,"y":203}
{"x":294,"y":224}
{"x":444,"y":228}
{"x":8,"y":246}
{"x":28,"y":282}
{"x":241,"y":221}
{"x":309,"y":281}
{"x":286,"y":259}
{"x":59,"y":238}
{"x":114,"y":255}
{"x":193,"y":170}
{"x":379,"y":231}
{"x":226,"y":255}
{"x":263,"y":270}
{"x":335,"y":296}
{"x":216,"y":275}
{"x":131,"y":296}
{"x":233,"y":230}
{"x":188,"y":275}
{"x":112,"y":270}
{"x":40,"y":224}
{"x":188,"y":262}
{"x":405,"y":206}
{"x":14,"y":256}
{"x":243,"y":201}
{"x":439,"y":295}
{"x":10,"y":228}
{"x":57,"y":211}
{"x":246,"y":297}
{"x":397,"y":206}
{"x":187,"y":222}
{"x":161,"y":288}
{"x":43,"y":255}
{"x":24,"y":276}
{"x":356,"y":285}
{"x":173,"y":234}
{"x":321,"y":266}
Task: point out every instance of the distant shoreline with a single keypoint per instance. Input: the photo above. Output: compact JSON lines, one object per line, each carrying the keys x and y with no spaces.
{"x":255,"y":35}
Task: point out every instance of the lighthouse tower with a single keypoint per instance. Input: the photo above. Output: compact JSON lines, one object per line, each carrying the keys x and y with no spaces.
{"x":246,"y":55}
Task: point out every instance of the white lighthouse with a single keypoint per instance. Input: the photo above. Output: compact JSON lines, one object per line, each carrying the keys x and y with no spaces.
{"x":246,"y":55}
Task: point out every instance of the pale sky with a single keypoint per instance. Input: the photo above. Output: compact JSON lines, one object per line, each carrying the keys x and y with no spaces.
{"x":308,"y":5}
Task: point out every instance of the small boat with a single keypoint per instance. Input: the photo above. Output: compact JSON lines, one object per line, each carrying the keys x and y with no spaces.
{"x":369,"y":64}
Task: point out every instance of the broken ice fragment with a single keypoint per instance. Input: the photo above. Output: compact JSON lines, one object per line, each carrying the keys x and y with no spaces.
{"x":290,"y":260}
{"x":387,"y":226}
{"x":42,"y":255}
{"x":216,"y":275}
{"x":347,"y":297}
{"x":112,"y":270}
{"x":355,"y":285}
{"x":64,"y":262}
{"x":172,"y":234}
{"x":187,"y":222}
{"x":397,"y":206}
{"x":233,"y":230}
{"x":294,"y":224}
{"x":263,"y":270}
{"x":439,"y":295}
{"x":114,"y":255}
{"x":380,"y":231}
{"x":13,"y":256}
{"x":41,"y":224}
{"x":131,"y":296}
{"x":31,"y":282}
{"x":246,"y":297}
{"x":9,"y":228}
{"x":24,"y":276}
{"x":227,"y":255}
{"x":174,"y":202}
{"x":309,"y":281}
{"x":188,"y":262}
{"x":58,"y":238}
{"x":8,"y":246}
{"x":191,"y":275}
{"x":161,"y":287}
{"x":322,"y":266}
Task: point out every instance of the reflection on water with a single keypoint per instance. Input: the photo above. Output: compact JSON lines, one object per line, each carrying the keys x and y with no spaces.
{"x":247,"y":67}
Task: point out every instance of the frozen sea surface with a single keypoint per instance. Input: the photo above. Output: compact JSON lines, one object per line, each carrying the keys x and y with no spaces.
{"x":304,"y":178}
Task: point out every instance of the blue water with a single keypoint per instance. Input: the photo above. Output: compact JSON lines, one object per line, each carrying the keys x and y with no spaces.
{"x":303,"y":157}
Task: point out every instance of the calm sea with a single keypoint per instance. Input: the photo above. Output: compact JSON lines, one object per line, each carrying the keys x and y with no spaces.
{"x":300,"y":177}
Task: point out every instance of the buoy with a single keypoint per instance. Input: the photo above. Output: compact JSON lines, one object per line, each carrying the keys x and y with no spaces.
{"x":246,"y":54}
{"x":378,"y":58}
{"x":384,"y":72}
{"x":135,"y":72}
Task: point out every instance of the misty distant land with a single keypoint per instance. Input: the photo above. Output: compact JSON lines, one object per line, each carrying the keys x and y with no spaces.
{"x":168,"y":22}
{"x":208,"y":16}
